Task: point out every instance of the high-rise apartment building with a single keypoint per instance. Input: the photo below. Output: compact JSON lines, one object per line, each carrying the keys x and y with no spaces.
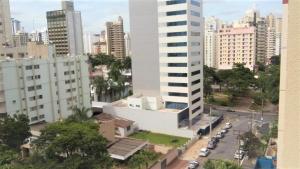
{"x":289,"y":107}
{"x":167,"y":52}
{"x":236,"y":45}
{"x":261,"y":40}
{"x":16,"y":26}
{"x":127,"y":44}
{"x":5,"y":26}
{"x":271,"y":42}
{"x":115,"y":38}
{"x":65,"y":30}
{"x":212,"y":25}
{"x":278,"y":30}
{"x":44,"y":89}
{"x":7,"y":47}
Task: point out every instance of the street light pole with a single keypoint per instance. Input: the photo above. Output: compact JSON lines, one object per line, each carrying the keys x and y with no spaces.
{"x":210,"y":125}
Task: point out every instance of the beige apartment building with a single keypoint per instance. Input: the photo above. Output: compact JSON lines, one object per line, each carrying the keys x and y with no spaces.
{"x":289,"y":105}
{"x":115,"y":41}
{"x":236,"y":45}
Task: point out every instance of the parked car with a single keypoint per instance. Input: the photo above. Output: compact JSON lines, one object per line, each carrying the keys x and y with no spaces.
{"x":193,"y":165}
{"x":239,"y":154}
{"x":228,"y":126}
{"x":215,"y":139}
{"x":220,"y":135}
{"x":211,"y":145}
{"x":230,"y":110}
{"x":204,"y":152}
{"x":224,"y":131}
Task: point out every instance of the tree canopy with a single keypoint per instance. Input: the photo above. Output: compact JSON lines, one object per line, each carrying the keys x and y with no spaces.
{"x":220,"y":164}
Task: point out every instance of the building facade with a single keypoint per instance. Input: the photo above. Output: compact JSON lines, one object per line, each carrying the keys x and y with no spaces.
{"x":115,"y":38}
{"x":236,"y":45}
{"x":288,"y":155}
{"x":261,"y":40}
{"x":65,"y":30}
{"x":212,"y":25}
{"x":127,"y":44}
{"x":44,"y":89}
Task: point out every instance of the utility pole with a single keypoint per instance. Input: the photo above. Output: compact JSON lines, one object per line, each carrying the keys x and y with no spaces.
{"x":210,"y":125}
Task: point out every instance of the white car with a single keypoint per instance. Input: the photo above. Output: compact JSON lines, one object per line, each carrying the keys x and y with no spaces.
{"x":239,"y":154}
{"x":224,"y":131}
{"x":228,"y":126}
{"x":204,"y":152}
{"x":193,"y":165}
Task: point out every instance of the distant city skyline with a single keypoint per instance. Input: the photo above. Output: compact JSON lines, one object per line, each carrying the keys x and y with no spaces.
{"x":32,"y":13}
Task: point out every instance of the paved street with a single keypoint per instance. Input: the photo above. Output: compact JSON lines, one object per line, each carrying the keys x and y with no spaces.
{"x":227,"y":146}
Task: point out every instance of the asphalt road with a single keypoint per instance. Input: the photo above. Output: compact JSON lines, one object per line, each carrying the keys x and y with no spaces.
{"x":229,"y":144}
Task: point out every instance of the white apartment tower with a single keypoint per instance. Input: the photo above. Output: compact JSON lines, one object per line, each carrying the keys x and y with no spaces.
{"x":167,"y":52}
{"x":65,"y":30}
{"x":212,"y":24}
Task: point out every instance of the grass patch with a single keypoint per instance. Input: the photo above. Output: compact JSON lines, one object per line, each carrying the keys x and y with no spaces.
{"x":220,"y":99}
{"x":156,"y":138}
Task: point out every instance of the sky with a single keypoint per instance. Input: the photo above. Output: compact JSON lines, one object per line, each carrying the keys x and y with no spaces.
{"x":32,"y":13}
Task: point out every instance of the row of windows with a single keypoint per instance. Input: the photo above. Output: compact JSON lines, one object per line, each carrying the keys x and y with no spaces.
{"x":71,"y":90}
{"x":172,"y":13}
{"x":35,"y":118}
{"x":33,"y":77}
{"x":69,"y":81}
{"x":176,"y":105}
{"x":174,"y":2}
{"x":29,"y":67}
{"x":36,"y":107}
{"x":69,"y":72}
{"x":194,"y":13}
{"x":178,"y":94}
{"x":31,"y":88}
{"x":171,"y":34}
{"x":177,"y":54}
{"x":177,"y":84}
{"x":195,"y":2}
{"x":177,"y":74}
{"x":177,"y":44}
{"x":182,"y":23}
{"x":35,"y":97}
{"x":177,"y":64}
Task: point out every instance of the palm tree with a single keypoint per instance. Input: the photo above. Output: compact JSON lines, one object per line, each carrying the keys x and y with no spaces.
{"x":100,"y":85}
{"x":79,"y":115}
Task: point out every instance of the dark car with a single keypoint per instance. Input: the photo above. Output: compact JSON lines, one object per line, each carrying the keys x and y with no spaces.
{"x":215,"y":139}
{"x":211,"y":145}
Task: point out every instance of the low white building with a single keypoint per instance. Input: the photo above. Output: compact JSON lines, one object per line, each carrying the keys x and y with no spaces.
{"x":44,"y":89}
{"x":150,"y":114}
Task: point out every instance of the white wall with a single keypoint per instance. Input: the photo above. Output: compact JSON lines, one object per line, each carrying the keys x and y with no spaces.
{"x":154,"y":121}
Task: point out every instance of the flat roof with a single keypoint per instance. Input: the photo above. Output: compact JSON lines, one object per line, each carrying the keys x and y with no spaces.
{"x":123,"y":103}
{"x":125,"y":147}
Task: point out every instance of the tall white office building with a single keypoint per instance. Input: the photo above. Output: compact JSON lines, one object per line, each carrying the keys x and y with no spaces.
{"x":5,"y":23}
{"x":167,"y":52}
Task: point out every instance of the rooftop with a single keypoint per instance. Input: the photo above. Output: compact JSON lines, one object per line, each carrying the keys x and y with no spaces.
{"x":125,"y":147}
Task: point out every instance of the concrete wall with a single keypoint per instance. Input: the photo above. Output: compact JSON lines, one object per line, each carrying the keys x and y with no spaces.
{"x":154,"y":121}
{"x":144,"y":41}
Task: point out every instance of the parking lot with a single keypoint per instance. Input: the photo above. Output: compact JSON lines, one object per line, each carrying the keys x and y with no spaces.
{"x":227,"y":146}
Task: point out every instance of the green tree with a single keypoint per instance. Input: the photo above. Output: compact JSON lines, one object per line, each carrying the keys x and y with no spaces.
{"x":14,"y":130}
{"x":74,"y":145}
{"x":220,"y":164}
{"x":252,"y":144}
{"x":101,"y":86}
{"x":7,"y":155}
{"x":142,"y":159}
{"x":79,"y":115}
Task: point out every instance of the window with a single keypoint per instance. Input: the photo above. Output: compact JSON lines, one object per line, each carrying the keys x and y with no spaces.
{"x":177,"y":74}
{"x":28,"y":67}
{"x":36,"y":66}
{"x":195,"y":23}
{"x":174,"y":2}
{"x":195,"y":63}
{"x":196,"y":91}
{"x":196,"y":109}
{"x":177,"y":84}
{"x":195,"y":33}
{"x":177,"y":54}
{"x":171,"y":34}
{"x":35,"y":118}
{"x":178,"y":94}
{"x":177,"y":64}
{"x":195,"y":44}
{"x":194,"y":13}
{"x":179,"y":23}
{"x":196,"y":82}
{"x":42,"y":116}
{"x":196,"y":72}
{"x":196,"y":3}
{"x":196,"y":100}
{"x":172,"y":13}
{"x":177,"y":44}
{"x":176,"y":105}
